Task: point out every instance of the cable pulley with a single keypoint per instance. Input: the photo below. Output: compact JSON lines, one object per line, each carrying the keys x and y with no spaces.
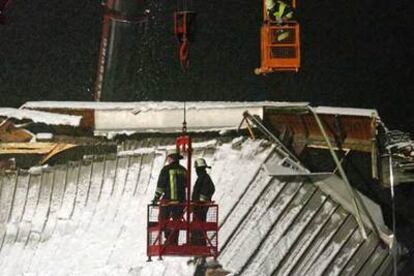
{"x":184,"y":29}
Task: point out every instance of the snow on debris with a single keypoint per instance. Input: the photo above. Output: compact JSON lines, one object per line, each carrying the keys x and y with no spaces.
{"x":163,"y":148}
{"x":40,"y":116}
{"x":111,"y":134}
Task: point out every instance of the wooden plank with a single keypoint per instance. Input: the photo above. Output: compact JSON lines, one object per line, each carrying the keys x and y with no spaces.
{"x":351,"y":131}
{"x":9,"y":133}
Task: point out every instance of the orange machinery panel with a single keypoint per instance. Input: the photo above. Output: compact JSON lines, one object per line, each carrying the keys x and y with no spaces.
{"x":283,"y":55}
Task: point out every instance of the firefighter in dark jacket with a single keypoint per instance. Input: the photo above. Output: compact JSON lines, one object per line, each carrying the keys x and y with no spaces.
{"x":171,"y":190}
{"x":202,"y":193}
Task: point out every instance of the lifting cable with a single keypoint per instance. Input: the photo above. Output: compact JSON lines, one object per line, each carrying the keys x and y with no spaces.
{"x":392,"y":142}
{"x":394,"y":220}
{"x":184,"y":5}
{"x":184,"y":121}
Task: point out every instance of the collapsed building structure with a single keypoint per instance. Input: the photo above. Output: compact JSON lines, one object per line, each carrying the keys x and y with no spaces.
{"x":305,"y":195}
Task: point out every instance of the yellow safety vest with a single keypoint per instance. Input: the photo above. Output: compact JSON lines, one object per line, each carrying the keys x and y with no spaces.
{"x":282,"y":6}
{"x":173,"y":184}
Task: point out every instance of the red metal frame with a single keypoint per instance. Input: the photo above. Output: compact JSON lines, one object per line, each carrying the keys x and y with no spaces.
{"x":186,"y":226}
{"x":157,"y":241}
{"x":183,"y":144}
{"x":283,"y":55}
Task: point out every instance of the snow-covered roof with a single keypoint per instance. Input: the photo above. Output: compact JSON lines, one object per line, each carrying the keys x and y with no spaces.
{"x":150,"y":105}
{"x":346,"y":111}
{"x":89,"y":217}
{"x":171,"y":105}
{"x":40,"y":116}
{"x":114,"y":118}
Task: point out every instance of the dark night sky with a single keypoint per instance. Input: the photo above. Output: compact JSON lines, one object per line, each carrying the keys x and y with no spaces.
{"x":354,"y":54}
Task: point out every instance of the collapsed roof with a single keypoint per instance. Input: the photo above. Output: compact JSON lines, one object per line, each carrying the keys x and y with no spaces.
{"x":40,"y":117}
{"x":108,"y":118}
{"x":88,"y":217}
{"x":273,"y":220}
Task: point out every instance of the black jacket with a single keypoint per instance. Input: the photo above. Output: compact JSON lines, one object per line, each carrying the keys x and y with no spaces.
{"x":203,"y":188}
{"x":171,"y":183}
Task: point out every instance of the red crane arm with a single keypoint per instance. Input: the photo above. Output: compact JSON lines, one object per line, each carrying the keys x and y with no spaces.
{"x":4,"y":4}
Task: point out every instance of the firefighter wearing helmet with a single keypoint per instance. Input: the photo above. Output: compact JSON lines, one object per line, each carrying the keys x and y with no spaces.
{"x":202,"y":193}
{"x":171,"y":190}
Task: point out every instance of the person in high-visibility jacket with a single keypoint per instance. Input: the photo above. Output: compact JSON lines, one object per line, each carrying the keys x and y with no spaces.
{"x":202,"y":193}
{"x":171,"y":190}
{"x":279,"y":12}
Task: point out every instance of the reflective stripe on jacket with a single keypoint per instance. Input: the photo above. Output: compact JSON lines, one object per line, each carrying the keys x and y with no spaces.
{"x":175,"y":176}
{"x":280,"y":12}
{"x":171,"y":183}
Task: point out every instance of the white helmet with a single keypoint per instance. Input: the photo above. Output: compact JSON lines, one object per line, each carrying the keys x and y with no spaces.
{"x":174,"y":153}
{"x":200,"y":163}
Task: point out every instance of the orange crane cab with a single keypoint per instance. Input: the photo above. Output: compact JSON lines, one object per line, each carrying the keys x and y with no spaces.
{"x":279,"y":55}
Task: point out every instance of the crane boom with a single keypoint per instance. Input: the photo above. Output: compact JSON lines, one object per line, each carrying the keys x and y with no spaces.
{"x":4,"y":4}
